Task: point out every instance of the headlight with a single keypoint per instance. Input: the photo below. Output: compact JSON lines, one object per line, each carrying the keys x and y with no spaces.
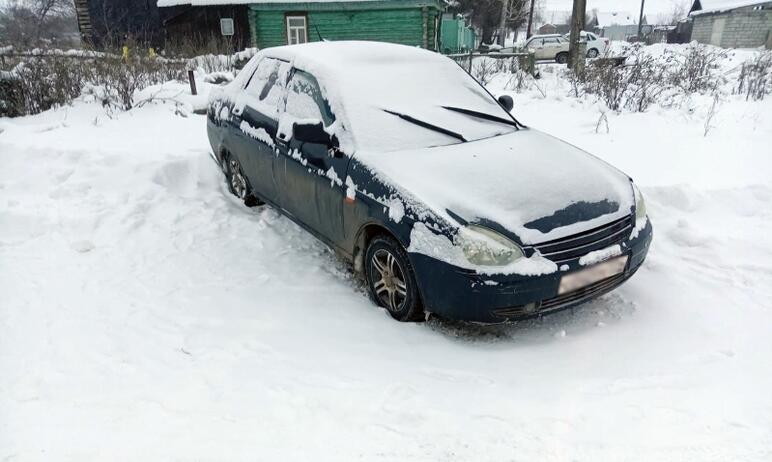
{"x":485,"y":247}
{"x":640,"y":205}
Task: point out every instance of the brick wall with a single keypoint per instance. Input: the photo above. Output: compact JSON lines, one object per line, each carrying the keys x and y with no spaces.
{"x":742,"y":28}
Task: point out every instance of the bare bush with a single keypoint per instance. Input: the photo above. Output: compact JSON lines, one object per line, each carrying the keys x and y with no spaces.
{"x":45,"y":83}
{"x":607,"y":82}
{"x":697,"y":70}
{"x":118,"y":80}
{"x":602,"y":119}
{"x":646,"y":79}
{"x":519,"y":79}
{"x":755,"y":79}
{"x":709,"y":116}
{"x":46,"y":80}
{"x":484,"y":69}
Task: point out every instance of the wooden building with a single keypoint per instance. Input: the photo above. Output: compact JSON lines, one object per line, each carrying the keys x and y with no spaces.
{"x":276,"y":22}
{"x":104,"y":23}
{"x":203,"y":24}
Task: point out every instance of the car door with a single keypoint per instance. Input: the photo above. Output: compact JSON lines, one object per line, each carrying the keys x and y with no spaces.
{"x":534,"y":45}
{"x":551,"y":48}
{"x":311,"y":174}
{"x":256,"y":119}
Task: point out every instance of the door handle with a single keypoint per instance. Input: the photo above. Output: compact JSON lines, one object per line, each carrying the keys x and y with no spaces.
{"x":282,"y":138}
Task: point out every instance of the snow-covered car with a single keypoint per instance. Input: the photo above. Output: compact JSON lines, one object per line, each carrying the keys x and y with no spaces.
{"x":551,"y":46}
{"x":407,"y":167}
{"x":596,"y":46}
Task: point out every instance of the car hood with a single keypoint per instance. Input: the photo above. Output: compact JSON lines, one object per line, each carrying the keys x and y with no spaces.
{"x":525,"y":184}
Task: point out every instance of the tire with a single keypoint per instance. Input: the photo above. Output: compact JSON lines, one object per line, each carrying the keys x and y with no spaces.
{"x":238,"y":184}
{"x":561,"y":58}
{"x":592,"y":53}
{"x":391,"y":281}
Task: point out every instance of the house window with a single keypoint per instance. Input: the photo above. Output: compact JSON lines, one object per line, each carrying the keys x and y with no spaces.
{"x":297,"y":30}
{"x":226,"y":26}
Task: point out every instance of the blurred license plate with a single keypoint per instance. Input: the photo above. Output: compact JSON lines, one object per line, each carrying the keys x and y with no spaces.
{"x":591,"y":275}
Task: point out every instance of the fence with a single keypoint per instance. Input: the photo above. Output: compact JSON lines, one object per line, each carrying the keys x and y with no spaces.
{"x":526,"y":61}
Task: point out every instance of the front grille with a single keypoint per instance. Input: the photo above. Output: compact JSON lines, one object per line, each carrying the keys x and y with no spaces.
{"x":570,"y":298}
{"x":572,"y":247}
{"x":584,"y":293}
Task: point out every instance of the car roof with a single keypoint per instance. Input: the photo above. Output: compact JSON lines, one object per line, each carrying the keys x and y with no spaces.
{"x":368,"y":84}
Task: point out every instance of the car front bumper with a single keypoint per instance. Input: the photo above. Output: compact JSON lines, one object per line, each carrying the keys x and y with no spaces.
{"x":462,"y":294}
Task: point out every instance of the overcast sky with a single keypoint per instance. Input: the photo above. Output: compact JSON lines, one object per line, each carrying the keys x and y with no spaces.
{"x":651,"y":9}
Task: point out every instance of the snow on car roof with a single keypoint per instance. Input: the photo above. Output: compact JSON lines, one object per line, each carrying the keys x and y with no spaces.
{"x":363,"y":80}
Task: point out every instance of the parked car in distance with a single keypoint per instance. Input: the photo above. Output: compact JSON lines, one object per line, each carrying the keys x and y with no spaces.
{"x":596,"y":46}
{"x":552,"y":46}
{"x":407,"y":167}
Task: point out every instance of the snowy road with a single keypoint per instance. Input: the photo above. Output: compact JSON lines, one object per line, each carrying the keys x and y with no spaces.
{"x":146,"y":315}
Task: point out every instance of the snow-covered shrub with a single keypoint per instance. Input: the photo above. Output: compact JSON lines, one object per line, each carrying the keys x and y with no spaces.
{"x":117,"y":81}
{"x":484,"y":69}
{"x":649,"y":77}
{"x":51,"y":78}
{"x":45,"y":82}
{"x":519,"y":78}
{"x":696,"y":69}
{"x":11,"y":95}
{"x":755,"y":78}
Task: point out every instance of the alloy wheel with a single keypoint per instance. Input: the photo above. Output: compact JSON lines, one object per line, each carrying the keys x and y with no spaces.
{"x":238,"y":182}
{"x":388,"y":280}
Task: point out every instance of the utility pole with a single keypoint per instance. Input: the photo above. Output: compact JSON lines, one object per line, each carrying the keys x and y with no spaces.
{"x":640,"y":21}
{"x":503,"y":22}
{"x":577,"y":25}
{"x":530,"y":20}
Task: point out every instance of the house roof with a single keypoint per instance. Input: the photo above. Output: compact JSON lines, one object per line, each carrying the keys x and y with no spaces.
{"x":717,"y":6}
{"x":163,"y":3}
{"x":615,"y":18}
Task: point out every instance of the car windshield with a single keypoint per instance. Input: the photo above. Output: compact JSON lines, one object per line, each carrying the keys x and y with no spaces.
{"x":417,"y":87}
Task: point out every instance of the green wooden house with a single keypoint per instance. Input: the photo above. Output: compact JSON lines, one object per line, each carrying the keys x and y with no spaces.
{"x":409,"y":22}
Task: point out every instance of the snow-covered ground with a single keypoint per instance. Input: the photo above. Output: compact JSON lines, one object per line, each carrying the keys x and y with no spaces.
{"x":146,"y":315}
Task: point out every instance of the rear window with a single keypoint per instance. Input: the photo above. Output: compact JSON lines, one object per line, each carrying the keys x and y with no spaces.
{"x":267,"y":85}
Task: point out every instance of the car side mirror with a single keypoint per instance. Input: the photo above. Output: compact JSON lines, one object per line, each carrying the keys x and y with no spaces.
{"x":506,"y":102}
{"x":311,"y":133}
{"x":315,"y":133}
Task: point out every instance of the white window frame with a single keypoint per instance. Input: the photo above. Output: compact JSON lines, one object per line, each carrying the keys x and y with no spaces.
{"x":291,"y":30}
{"x":227,"y":27}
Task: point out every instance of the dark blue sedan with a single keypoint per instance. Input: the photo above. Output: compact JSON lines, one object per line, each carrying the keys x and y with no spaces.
{"x":400,"y":161}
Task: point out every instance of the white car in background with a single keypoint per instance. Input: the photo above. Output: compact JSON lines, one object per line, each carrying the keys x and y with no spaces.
{"x":551,"y":46}
{"x":596,"y":46}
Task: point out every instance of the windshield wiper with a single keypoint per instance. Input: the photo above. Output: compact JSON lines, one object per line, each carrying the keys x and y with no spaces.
{"x":483,"y":115}
{"x":427,"y":125}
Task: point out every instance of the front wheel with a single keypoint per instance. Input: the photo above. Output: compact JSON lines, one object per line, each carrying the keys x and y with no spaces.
{"x":592,"y":53}
{"x":561,"y":58}
{"x":391,"y":280}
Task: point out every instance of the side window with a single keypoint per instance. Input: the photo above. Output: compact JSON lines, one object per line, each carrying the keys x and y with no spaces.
{"x":305,"y":100}
{"x":275,"y":85}
{"x":258,"y":80}
{"x":266,"y":86}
